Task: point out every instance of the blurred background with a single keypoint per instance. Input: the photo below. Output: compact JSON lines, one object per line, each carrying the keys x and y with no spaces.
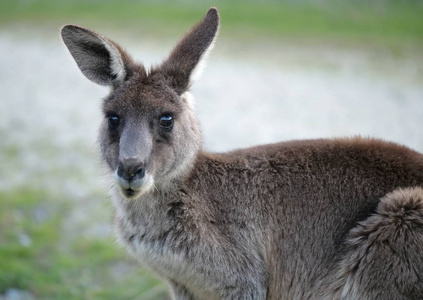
{"x":280,"y":70}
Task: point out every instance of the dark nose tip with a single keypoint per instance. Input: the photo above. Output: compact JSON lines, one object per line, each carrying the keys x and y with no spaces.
{"x":130,"y":169}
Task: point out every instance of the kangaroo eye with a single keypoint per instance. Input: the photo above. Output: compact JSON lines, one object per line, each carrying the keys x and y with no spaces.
{"x":166,"y":122}
{"x":113,"y":121}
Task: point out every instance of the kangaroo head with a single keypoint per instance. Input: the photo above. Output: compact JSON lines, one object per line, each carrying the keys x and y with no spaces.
{"x":149,"y":134}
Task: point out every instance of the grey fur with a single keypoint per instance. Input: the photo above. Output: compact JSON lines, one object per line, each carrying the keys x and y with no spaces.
{"x":312,"y":219}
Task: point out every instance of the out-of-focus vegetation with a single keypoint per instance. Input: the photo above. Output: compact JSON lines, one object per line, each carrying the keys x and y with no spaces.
{"x":38,"y":255}
{"x":363,"y":21}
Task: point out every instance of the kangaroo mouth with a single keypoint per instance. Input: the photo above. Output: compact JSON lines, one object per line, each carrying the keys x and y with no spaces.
{"x":129,"y":193}
{"x":133,"y":189}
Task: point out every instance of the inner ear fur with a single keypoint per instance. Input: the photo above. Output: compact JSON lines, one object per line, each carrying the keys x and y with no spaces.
{"x":99,"y":59}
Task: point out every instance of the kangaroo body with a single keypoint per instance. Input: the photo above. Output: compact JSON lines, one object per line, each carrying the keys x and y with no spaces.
{"x":313,"y":219}
{"x":278,"y":217}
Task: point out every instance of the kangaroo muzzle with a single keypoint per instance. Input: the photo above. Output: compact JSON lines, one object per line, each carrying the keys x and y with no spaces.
{"x":134,"y":152}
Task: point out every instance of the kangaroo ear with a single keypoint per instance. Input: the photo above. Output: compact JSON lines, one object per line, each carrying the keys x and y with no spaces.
{"x":100,"y":60}
{"x":187,"y":59}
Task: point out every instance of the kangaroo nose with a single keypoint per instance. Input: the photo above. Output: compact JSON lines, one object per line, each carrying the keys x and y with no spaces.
{"x":130,"y":169}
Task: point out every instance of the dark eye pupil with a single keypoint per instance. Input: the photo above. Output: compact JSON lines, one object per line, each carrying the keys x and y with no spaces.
{"x":113,"y":121}
{"x":166,"y":122}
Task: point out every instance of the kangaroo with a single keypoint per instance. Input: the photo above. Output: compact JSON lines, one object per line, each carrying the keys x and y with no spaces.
{"x":309,"y":219}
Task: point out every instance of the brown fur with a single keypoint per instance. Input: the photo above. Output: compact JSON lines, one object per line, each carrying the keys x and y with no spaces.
{"x":312,"y":219}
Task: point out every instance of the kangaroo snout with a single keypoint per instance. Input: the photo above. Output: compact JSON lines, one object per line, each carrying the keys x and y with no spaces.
{"x":132,"y":178}
{"x":131,"y":169}
{"x":132,"y":172}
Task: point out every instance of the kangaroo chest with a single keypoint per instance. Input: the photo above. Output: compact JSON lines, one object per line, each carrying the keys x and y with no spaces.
{"x":155,"y":237}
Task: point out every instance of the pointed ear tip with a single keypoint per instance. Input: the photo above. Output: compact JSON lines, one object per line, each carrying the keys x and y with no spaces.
{"x":64,"y":28}
{"x":213,"y":18}
{"x":68,"y":28}
{"x":213,"y":12}
{"x":72,"y":28}
{"x":64,"y":31}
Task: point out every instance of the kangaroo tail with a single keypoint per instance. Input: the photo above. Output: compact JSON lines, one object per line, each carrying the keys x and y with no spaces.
{"x":384,"y":255}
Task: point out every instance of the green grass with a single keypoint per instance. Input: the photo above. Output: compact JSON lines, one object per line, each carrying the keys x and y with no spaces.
{"x":36,"y":257}
{"x":365,"y":21}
